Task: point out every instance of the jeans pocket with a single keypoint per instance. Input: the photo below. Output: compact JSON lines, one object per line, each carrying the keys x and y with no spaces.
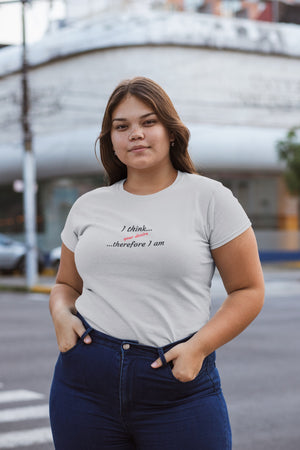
{"x":71,"y":349}
{"x":170,"y":371}
{"x":78,"y":343}
{"x":70,"y":369}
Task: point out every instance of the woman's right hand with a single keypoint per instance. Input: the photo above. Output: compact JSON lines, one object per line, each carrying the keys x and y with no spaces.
{"x":69,"y":329}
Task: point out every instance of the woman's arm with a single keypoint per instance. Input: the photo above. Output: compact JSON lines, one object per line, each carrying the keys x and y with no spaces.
{"x":241,"y":272}
{"x":63,"y":295}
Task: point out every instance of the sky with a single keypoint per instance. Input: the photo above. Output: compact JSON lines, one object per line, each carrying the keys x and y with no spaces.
{"x":36,"y":20}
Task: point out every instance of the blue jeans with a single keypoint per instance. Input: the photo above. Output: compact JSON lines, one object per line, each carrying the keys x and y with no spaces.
{"x":105,"y":395}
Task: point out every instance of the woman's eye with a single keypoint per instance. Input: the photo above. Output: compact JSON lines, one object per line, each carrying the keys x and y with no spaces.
{"x":121,"y":127}
{"x":150,"y":122}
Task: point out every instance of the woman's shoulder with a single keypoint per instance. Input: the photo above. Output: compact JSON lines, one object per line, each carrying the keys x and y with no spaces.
{"x":198,"y":181}
{"x":207,"y":191}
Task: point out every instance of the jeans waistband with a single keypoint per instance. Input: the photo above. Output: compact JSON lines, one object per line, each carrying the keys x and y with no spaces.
{"x":139,"y":349}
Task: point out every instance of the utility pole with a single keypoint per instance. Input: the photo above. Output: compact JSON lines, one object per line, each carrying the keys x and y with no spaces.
{"x":29,"y":170}
{"x":275,"y":8}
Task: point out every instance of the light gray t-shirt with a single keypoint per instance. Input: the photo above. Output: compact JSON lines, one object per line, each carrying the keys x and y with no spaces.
{"x":145,"y":260}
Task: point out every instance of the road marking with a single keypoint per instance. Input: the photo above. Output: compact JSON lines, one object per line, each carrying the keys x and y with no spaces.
{"x":19,"y":395}
{"x":28,"y":412}
{"x":25,"y":438}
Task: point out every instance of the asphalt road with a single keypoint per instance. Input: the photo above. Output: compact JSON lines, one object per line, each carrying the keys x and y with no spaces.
{"x":260,"y":370}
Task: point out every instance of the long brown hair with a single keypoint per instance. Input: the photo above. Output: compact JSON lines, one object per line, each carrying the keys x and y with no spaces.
{"x":154,"y":96}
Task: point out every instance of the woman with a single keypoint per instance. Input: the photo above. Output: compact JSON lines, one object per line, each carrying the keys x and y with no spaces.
{"x":132,"y":297}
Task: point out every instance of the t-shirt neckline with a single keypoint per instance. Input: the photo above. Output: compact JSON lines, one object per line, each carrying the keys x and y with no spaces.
{"x":120,"y":187}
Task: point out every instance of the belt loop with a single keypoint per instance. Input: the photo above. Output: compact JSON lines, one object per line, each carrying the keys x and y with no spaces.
{"x":162,"y":356}
{"x":87,"y":331}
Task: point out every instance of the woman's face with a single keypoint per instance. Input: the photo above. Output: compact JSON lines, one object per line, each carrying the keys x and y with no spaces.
{"x":139,"y":139}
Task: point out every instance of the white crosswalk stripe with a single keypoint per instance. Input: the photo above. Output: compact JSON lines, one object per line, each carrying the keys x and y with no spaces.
{"x":26,"y":412}
{"x":19,"y":395}
{"x":15,"y":439}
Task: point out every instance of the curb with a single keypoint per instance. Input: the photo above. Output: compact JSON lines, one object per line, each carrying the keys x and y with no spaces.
{"x":46,"y":289}
{"x":16,"y":282}
{"x":35,"y":289}
{"x":41,"y":289}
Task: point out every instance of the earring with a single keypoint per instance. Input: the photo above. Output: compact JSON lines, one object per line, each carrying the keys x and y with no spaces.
{"x":172,"y":144}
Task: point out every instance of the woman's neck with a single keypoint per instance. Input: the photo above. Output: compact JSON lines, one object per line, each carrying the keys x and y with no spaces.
{"x":149,"y":182}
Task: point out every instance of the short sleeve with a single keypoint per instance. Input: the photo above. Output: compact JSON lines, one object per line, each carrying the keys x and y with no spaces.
{"x":227,"y":219}
{"x":68,"y":235}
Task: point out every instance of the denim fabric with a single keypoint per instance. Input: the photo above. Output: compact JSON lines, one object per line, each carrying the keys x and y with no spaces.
{"x":105,"y":395}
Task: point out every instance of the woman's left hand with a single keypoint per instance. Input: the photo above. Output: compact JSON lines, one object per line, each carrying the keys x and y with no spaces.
{"x":187,"y":362}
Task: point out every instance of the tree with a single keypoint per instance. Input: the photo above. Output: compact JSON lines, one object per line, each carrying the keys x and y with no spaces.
{"x":289,"y":152}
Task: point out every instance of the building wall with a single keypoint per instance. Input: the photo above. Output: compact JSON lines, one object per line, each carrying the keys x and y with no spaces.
{"x":206,"y":85}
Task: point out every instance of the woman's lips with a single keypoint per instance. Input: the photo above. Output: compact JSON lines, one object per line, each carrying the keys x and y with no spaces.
{"x":138,"y":149}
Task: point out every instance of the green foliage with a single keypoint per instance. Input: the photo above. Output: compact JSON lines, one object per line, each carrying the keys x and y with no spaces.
{"x":289,"y":152}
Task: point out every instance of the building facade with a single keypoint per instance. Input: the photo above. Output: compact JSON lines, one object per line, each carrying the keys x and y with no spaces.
{"x":234,"y":83}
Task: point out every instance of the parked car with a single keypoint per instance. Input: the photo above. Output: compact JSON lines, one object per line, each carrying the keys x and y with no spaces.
{"x":13,"y":255}
{"x":54,"y":257}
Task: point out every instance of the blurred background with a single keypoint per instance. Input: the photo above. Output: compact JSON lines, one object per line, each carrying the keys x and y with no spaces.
{"x":232,"y":69}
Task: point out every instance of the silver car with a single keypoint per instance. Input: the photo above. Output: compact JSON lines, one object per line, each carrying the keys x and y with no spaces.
{"x":13,"y":254}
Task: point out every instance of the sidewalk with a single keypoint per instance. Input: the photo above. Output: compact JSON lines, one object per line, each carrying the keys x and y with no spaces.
{"x":17,"y":282}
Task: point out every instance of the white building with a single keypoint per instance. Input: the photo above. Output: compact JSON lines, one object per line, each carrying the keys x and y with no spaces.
{"x":236,"y":85}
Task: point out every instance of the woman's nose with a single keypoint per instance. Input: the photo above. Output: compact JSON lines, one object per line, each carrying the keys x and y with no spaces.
{"x":136,"y":133}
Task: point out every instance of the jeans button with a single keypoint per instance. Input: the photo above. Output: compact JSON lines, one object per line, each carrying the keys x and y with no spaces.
{"x":126,"y":346}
